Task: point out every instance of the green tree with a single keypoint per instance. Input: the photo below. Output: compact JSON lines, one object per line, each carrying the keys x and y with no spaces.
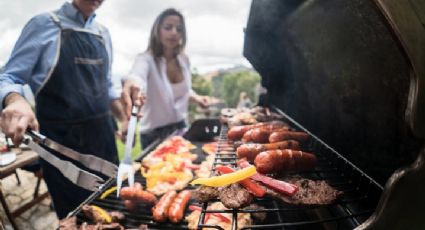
{"x":234,"y":83}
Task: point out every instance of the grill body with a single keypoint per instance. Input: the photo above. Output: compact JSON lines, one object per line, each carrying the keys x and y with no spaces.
{"x":337,"y":68}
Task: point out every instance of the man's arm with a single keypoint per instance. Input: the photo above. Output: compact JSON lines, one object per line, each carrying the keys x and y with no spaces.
{"x":16,"y":117}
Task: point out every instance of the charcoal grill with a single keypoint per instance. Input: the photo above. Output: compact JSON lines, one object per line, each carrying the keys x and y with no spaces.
{"x":361,"y":194}
{"x":352,"y":73}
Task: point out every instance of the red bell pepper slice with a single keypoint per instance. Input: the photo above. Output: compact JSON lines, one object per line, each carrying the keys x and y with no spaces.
{"x":218,"y":215}
{"x":278,"y":185}
{"x":192,"y":166}
{"x":251,"y":186}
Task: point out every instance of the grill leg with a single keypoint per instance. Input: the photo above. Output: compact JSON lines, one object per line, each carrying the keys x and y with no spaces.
{"x":6,"y":209}
{"x":17,"y":177}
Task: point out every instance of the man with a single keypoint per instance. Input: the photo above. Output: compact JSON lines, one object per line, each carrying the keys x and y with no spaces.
{"x":65,"y":57}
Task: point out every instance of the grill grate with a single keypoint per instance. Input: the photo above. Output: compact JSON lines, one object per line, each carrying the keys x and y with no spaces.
{"x":361,"y":194}
{"x":360,"y":198}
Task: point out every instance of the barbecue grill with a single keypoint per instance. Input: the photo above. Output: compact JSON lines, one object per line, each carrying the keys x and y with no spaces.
{"x":351,"y":74}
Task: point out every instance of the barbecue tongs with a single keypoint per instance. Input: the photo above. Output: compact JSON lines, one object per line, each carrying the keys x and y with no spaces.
{"x":76,"y":175}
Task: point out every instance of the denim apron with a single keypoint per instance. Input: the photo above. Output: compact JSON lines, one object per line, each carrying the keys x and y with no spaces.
{"x":73,"y":109}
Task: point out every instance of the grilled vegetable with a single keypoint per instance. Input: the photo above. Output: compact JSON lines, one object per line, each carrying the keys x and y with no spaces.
{"x":224,"y":180}
{"x":251,"y":186}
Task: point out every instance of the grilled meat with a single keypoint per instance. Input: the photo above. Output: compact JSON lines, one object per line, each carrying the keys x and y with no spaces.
{"x":235,"y":196}
{"x":68,"y":223}
{"x":310,"y":192}
{"x":71,"y":224}
{"x":117,"y":217}
{"x":113,"y":226}
{"x":205,"y":193}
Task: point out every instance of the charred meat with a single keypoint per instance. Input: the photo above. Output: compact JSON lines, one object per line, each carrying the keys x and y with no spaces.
{"x":205,"y":193}
{"x":310,"y":192}
{"x":235,"y":196}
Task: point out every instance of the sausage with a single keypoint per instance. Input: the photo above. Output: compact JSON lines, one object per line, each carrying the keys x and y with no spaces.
{"x":274,"y":161}
{"x":283,"y":135}
{"x":130,"y":205}
{"x":237,"y":132}
{"x":160,"y":210}
{"x":247,"y":136}
{"x":250,"y":151}
{"x":137,"y":194}
{"x":176,"y":210}
{"x":145,"y":197}
{"x":261,"y":135}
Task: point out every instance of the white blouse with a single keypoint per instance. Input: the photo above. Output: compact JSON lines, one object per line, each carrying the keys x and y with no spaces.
{"x":161,"y":106}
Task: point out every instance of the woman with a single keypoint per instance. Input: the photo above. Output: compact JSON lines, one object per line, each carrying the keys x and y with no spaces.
{"x":162,"y":73}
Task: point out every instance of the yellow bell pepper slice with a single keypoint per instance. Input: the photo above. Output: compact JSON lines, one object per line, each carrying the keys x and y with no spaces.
{"x":104,"y":214}
{"x":107,"y":192}
{"x":227,"y":179}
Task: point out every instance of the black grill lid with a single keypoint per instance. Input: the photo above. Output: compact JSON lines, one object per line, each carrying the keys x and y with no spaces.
{"x":338,"y":69}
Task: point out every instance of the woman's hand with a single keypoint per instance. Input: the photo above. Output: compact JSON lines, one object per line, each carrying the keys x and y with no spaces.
{"x":203,"y":101}
{"x":16,"y":117}
{"x":131,"y":95}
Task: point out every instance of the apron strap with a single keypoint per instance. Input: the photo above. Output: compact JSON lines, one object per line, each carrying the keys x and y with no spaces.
{"x":56,"y":19}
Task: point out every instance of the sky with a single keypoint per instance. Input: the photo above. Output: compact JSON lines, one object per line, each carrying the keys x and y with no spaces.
{"x":214,"y":28}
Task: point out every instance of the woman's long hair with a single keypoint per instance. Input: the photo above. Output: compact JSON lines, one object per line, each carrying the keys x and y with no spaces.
{"x":155,"y":46}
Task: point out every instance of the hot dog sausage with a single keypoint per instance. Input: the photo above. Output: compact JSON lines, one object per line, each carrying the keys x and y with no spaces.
{"x":129,"y":193}
{"x":130,"y":205}
{"x":137,"y":194}
{"x":250,"y":151}
{"x":160,"y":210}
{"x":274,"y":161}
{"x":237,"y":132}
{"x":145,"y":197}
{"x":283,"y":135}
{"x":176,"y":210}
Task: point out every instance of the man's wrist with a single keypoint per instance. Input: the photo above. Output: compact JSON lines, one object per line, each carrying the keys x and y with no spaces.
{"x":12,"y":97}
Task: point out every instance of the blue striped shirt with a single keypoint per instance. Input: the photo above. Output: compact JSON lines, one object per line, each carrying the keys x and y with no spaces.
{"x":35,"y":52}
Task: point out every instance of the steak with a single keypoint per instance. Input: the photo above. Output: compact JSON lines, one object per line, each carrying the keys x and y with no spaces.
{"x":235,"y":196}
{"x":205,"y":193}
{"x":309,"y":192}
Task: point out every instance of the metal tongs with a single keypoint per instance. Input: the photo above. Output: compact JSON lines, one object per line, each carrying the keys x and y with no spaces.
{"x":80,"y":177}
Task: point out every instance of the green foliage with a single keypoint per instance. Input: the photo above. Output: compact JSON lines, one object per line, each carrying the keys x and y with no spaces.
{"x":137,"y":148}
{"x":201,"y":85}
{"x":233,"y":84}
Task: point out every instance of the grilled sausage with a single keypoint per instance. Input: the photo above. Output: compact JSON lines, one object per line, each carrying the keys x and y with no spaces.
{"x":250,"y":151}
{"x":129,"y":193}
{"x":137,"y":194}
{"x":237,"y":132}
{"x":130,"y":205}
{"x":160,"y":210}
{"x":283,"y":135}
{"x":176,"y":210}
{"x":274,"y":161}
{"x":145,"y":197}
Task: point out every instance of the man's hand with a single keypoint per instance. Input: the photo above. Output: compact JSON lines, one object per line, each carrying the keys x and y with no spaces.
{"x":131,"y":95}
{"x":16,"y":117}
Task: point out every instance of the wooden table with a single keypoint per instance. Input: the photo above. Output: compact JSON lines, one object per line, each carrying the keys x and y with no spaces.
{"x":23,"y":158}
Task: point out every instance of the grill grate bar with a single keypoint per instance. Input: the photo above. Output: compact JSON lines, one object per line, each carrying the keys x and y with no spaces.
{"x":361,"y":193}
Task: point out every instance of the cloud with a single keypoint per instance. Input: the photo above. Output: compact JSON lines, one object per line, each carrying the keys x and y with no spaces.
{"x":215,"y":28}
